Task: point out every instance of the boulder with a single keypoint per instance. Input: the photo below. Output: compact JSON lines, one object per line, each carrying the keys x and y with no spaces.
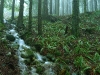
{"x":10,"y":37}
{"x":27,"y":54}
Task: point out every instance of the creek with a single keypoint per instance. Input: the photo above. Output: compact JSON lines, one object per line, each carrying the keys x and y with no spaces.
{"x":22,"y":49}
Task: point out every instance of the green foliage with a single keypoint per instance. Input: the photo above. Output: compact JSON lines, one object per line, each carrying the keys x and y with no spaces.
{"x":82,"y":53}
{"x":79,"y":62}
{"x":96,"y":58}
{"x":2,"y":27}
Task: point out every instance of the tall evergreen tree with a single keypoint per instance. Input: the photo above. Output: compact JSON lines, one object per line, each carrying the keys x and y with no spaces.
{"x":30,"y":15}
{"x":45,"y":9}
{"x":95,"y":5}
{"x":50,"y":7}
{"x":39,"y":18}
{"x":75,"y":18}
{"x":57,"y":7}
{"x":13,"y":7}
{"x":63,"y":7}
{"x":20,"y":17}
{"x":1,"y":11}
{"x":85,"y":6}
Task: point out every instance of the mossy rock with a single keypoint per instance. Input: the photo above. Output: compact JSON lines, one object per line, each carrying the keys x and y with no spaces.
{"x":27,"y":54}
{"x":27,"y":61}
{"x":15,"y":46}
{"x":10,"y":37}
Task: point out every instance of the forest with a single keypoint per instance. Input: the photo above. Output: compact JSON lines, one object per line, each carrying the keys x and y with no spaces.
{"x":49,"y":37}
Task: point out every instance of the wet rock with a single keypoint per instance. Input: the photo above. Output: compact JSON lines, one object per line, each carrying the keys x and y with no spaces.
{"x":35,"y":74}
{"x":49,"y":72}
{"x":49,"y":68}
{"x":16,"y":57}
{"x":33,"y":71}
{"x":27,"y":61}
{"x":10,"y":37}
{"x":15,"y":46}
{"x":27,"y":54}
{"x":38,"y":57}
{"x":8,"y":54}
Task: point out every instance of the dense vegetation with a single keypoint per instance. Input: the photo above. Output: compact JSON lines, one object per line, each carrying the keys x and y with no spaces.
{"x":82,"y":53}
{"x":8,"y":58}
{"x":71,"y":42}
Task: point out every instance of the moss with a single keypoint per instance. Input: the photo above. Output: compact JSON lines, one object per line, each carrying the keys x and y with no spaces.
{"x":27,"y":54}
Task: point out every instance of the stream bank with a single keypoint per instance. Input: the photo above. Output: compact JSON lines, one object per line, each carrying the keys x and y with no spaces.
{"x":8,"y":60}
{"x":30,"y":61}
{"x":75,"y":56}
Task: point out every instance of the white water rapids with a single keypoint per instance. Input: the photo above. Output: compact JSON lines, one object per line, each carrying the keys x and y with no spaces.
{"x":23,"y":67}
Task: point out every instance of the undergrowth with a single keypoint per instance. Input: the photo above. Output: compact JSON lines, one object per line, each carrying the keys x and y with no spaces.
{"x":73,"y":55}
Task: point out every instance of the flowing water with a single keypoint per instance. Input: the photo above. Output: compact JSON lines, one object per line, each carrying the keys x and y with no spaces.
{"x":48,"y":66}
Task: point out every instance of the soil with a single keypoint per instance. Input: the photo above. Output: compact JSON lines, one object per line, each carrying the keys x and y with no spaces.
{"x":8,"y":60}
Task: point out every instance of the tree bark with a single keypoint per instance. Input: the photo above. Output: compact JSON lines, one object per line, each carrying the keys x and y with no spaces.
{"x":84,"y":6}
{"x":96,"y":5}
{"x":20,"y":17}
{"x":57,"y":7}
{"x":30,"y":15}
{"x":75,"y":18}
{"x":13,"y":7}
{"x":50,"y":7}
{"x":1,"y":11}
{"x":39,"y":18}
{"x":63,"y":8}
{"x":45,"y":9}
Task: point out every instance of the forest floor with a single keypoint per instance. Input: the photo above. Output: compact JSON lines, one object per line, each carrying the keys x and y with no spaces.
{"x":80,"y":56}
{"x":8,"y":60}
{"x":73,"y":55}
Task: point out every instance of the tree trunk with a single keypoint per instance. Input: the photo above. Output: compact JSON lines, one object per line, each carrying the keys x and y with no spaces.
{"x":95,"y":5}
{"x":91,"y":5}
{"x":1,"y":11}
{"x":57,"y":7}
{"x":30,"y":15}
{"x":63,"y":8}
{"x":20,"y":17}
{"x":45,"y":9}
{"x":75,"y":18}
{"x":13,"y":7}
{"x":50,"y":7}
{"x":39,"y":18}
{"x":84,"y":6}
